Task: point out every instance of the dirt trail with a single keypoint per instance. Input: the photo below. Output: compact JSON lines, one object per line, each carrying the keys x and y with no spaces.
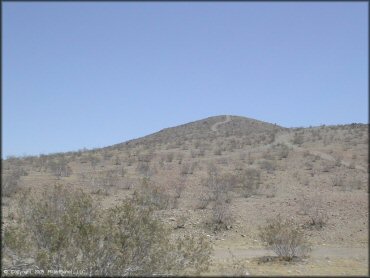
{"x":316,"y":253}
{"x":215,"y":126}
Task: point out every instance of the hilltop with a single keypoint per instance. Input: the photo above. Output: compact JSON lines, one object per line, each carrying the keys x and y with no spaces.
{"x":211,"y":127}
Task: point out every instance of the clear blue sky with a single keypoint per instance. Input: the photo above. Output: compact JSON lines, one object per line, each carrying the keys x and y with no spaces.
{"x":94,"y":74}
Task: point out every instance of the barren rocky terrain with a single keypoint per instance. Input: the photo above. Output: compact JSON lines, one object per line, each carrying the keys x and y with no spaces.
{"x":317,"y":176}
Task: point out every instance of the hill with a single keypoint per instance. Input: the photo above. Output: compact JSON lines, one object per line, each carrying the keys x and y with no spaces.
{"x":224,"y":177}
{"x":212,"y":127}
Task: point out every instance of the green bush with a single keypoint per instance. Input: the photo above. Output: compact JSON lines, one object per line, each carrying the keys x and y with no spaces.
{"x":66,"y":229}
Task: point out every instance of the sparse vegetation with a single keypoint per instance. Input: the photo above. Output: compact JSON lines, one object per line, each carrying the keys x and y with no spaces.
{"x":285,"y":238}
{"x":152,"y":195}
{"x":221,"y":214}
{"x":174,"y":178}
{"x":298,"y":138}
{"x":313,"y":207}
{"x":64,"y":229}
{"x":10,"y":182}
{"x":251,"y":180}
{"x":187,"y":168}
{"x":59,"y":167}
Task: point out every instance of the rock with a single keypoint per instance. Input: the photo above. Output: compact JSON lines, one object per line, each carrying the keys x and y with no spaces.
{"x":243,"y":235}
{"x":228,"y":227}
{"x":172,"y":219}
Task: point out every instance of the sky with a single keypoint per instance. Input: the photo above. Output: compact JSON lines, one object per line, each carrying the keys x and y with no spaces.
{"x":87,"y":75}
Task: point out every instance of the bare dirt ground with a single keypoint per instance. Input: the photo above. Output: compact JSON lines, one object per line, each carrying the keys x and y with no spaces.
{"x":316,"y":253}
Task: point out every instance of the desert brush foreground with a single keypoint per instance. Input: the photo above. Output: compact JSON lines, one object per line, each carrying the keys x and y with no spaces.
{"x":225,"y":195}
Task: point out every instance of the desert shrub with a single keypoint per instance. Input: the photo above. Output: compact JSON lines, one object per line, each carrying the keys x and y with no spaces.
{"x":122,"y":172}
{"x":305,"y":181}
{"x":20,"y":171}
{"x":212,"y":169}
{"x":267,"y":155}
{"x":298,"y":139}
{"x":355,"y":183}
{"x":347,"y":184}
{"x":222,"y":161}
{"x":282,"y":151}
{"x":242,"y":156}
{"x":308,"y":166}
{"x":250,"y":180}
{"x":217,"y":151}
{"x":327,"y":167}
{"x":127,"y":184}
{"x":144,"y":169}
{"x":204,"y":198}
{"x":284,"y":237}
{"x":179,"y":187}
{"x":338,"y":181}
{"x":218,"y":186}
{"x":239,"y":166}
{"x":93,"y":159}
{"x":267,"y":165}
{"x":145,"y":157}
{"x":250,"y":160}
{"x":108,"y":178}
{"x":352,"y":165}
{"x":180,"y":157}
{"x":201,"y":151}
{"x":130,"y":160}
{"x":313,"y":207}
{"x":65,"y":229}
{"x":100,"y":191}
{"x":52,"y":226}
{"x":161,"y":162}
{"x":269,"y":190}
{"x":169,"y":157}
{"x":271,"y":137}
{"x":181,"y":221}
{"x":230,"y":181}
{"x":59,"y":167}
{"x":232,"y":145}
{"x":193,"y":153}
{"x":338,"y":161}
{"x":318,"y":217}
{"x":10,"y":183}
{"x":221,"y":214}
{"x":117,"y":161}
{"x":187,"y":168}
{"x":152,"y":195}
{"x":107,"y":155}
